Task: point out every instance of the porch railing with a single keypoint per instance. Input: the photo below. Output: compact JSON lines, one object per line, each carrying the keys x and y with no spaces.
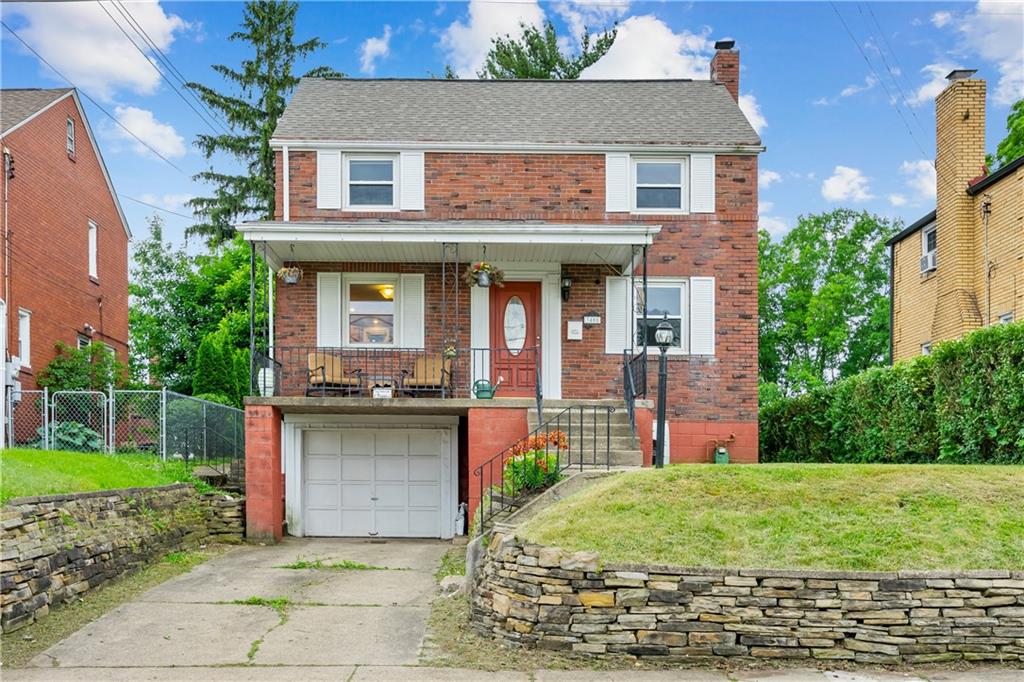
{"x":634,"y":383}
{"x":578,"y":436}
{"x":407,"y":372}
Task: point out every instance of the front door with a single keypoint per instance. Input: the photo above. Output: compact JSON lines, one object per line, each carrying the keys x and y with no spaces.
{"x":515,"y":338}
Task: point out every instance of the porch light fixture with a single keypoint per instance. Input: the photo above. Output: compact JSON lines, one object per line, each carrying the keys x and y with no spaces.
{"x":566,"y":286}
{"x":388,"y":292}
{"x":664,"y":335}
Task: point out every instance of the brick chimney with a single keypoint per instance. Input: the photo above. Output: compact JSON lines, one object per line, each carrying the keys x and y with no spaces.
{"x":959,"y":158}
{"x":725,"y":67}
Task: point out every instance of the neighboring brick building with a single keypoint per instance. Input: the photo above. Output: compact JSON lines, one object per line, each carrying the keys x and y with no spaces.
{"x":588,"y":195}
{"x":64,"y":264}
{"x":961,"y":266}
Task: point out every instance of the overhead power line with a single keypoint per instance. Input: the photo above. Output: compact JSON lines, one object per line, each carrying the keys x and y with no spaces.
{"x":159,"y":208}
{"x":881,"y":53}
{"x":93,"y":101}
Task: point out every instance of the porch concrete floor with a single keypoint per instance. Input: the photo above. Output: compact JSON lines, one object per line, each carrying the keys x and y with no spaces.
{"x":414,"y":406}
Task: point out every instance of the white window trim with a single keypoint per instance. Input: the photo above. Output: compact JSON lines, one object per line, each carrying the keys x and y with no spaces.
{"x":932,"y":228}
{"x":926,"y":348}
{"x":25,"y":337}
{"x":70,"y":136}
{"x":82,"y":341}
{"x":684,"y":313}
{"x":371,"y":278}
{"x":1006,"y":318}
{"x":93,"y":248}
{"x":396,"y":189}
{"x":684,"y":193}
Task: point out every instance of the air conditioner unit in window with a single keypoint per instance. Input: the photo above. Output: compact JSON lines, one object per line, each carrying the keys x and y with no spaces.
{"x":928,"y":262}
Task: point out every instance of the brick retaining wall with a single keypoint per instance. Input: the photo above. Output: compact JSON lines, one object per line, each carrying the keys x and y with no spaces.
{"x":57,"y":547}
{"x":533,"y":595}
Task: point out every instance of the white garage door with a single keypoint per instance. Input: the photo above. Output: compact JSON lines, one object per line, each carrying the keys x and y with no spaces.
{"x":366,"y":482}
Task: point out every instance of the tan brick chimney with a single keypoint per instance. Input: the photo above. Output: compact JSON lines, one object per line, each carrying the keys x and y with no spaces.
{"x":959,"y":158}
{"x":725,"y":67}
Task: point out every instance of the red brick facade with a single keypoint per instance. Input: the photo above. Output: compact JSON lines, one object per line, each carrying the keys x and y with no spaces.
{"x":52,"y":198}
{"x":264,"y":482}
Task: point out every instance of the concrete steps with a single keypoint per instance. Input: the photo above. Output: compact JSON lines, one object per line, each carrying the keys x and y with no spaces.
{"x":591,"y":433}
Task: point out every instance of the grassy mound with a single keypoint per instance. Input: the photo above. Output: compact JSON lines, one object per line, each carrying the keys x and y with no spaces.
{"x":843,"y":516}
{"x":25,"y":472}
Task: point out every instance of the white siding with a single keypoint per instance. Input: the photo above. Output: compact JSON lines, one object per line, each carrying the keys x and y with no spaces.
{"x":410,"y":298}
{"x":702,"y":183}
{"x":328,"y":309}
{"x":411,"y":182}
{"x":702,"y":316}
{"x":617,"y":315}
{"x":616,"y":183}
{"x":328,"y":179}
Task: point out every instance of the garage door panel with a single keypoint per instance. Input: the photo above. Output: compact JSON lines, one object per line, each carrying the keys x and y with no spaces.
{"x":356,"y":442}
{"x":389,"y":469}
{"x":357,"y":468}
{"x":425,"y":443}
{"x":322,"y":468}
{"x":391,"y":495}
{"x":392,"y":522}
{"x":321,"y":522}
{"x":322,"y":496}
{"x":425,"y":468}
{"x":392,"y":443}
{"x":357,"y":522}
{"x":356,"y":495}
{"x":424,"y":525}
{"x":424,"y":496}
{"x":323,"y":443}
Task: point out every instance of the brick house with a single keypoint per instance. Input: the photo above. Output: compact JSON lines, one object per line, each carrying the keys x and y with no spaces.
{"x":64,"y":267}
{"x":961,"y":266}
{"x":590,"y":197}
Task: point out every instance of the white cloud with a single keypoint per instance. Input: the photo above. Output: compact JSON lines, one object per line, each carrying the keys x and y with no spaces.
{"x":935,"y":83}
{"x":160,"y":136}
{"x":374,"y":49}
{"x":767,"y":178}
{"x":765,"y":207}
{"x":846,"y":184}
{"x":940,"y":19}
{"x":897,"y":199}
{"x":583,"y":15}
{"x":171,"y":202}
{"x":920,"y":178}
{"x":775,"y":226}
{"x":466,"y":44}
{"x":81,"y":41}
{"x":994,"y":30}
{"x":870,"y":81}
{"x":647,"y":48}
{"x":750,"y":109}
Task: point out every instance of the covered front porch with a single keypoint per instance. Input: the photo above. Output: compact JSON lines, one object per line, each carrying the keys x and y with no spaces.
{"x":379,"y":310}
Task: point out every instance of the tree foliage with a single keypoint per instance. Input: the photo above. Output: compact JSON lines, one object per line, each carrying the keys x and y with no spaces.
{"x":824,"y":308}
{"x":261,"y":85}
{"x":537,"y":54}
{"x":1012,"y":146}
{"x":91,"y":368}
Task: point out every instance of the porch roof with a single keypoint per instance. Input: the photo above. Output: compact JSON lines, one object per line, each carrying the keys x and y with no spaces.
{"x":421,"y":241}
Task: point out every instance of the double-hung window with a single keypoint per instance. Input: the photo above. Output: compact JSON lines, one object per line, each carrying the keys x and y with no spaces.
{"x":71,"y":137}
{"x":370,"y":183}
{"x":94,"y":271}
{"x":666,"y":300}
{"x":929,"y":243}
{"x":371,"y":311}
{"x":25,"y":337}
{"x":659,"y":185}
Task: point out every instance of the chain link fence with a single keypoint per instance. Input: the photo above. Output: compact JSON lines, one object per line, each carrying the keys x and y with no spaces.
{"x":165,"y":424}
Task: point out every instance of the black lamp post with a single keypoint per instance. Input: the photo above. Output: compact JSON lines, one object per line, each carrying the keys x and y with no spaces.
{"x":664,"y":335}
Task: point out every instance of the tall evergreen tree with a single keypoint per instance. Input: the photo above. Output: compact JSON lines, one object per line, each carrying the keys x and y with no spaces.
{"x":262,"y":83}
{"x":536,"y":54}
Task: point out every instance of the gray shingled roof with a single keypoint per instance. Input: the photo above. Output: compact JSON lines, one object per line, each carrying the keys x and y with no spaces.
{"x":17,"y":104}
{"x":528,"y":111}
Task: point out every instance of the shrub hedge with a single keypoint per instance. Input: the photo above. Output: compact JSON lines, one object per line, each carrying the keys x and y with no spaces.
{"x":962,"y":404}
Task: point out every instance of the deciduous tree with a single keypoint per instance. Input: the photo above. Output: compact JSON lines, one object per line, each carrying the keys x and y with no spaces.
{"x":537,"y":54}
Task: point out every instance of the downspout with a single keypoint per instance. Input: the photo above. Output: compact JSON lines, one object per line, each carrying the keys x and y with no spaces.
{"x":892,"y":302}
{"x":986,"y":210}
{"x":8,"y":159}
{"x":252,"y":317}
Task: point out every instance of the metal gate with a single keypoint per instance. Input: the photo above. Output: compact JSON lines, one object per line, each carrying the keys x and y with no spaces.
{"x":79,"y":421}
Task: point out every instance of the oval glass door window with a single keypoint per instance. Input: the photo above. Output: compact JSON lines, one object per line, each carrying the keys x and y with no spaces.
{"x":515,"y":325}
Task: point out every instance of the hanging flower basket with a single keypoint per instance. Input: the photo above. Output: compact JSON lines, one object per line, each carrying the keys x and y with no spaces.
{"x":450,"y":351}
{"x":290,"y":275}
{"x":483,"y":274}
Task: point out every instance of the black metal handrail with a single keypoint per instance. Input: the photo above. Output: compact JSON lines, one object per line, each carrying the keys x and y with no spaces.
{"x":634,"y":383}
{"x":560,"y":443}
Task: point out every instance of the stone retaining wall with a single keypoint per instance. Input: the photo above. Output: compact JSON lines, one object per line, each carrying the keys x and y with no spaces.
{"x":540,"y":596}
{"x":54,"y":548}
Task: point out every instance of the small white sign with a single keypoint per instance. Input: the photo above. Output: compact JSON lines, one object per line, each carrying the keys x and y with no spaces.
{"x":590,"y":320}
{"x":382,"y":392}
{"x":574,"y":330}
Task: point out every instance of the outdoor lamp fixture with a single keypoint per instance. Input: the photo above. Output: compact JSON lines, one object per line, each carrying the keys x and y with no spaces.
{"x":566,"y":286}
{"x":664,"y":335}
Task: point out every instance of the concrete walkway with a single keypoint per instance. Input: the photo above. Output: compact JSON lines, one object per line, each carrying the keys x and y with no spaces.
{"x":335,"y":625}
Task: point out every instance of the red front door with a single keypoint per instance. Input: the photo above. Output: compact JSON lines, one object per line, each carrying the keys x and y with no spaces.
{"x":515,"y":337}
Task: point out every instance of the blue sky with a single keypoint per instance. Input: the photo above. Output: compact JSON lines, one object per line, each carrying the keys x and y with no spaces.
{"x":848,"y":120}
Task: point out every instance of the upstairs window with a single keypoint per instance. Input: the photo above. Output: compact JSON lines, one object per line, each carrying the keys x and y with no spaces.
{"x":370,"y":183}
{"x":25,"y":337}
{"x":659,"y":185}
{"x":71,"y":137}
{"x":926,"y":348}
{"x":1006,"y":318}
{"x":93,"y":260}
{"x":929,"y":242}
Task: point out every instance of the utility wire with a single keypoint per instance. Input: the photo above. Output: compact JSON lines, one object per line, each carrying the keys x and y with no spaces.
{"x":162,"y":56}
{"x":892,"y":99}
{"x":881,"y":53}
{"x":157,"y":69}
{"x":159,"y":208}
{"x":94,"y":102}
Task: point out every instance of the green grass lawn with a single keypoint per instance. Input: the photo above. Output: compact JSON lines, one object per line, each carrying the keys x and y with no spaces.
{"x":25,"y":472}
{"x":829,"y":516}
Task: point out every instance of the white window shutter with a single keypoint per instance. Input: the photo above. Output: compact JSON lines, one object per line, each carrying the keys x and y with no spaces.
{"x":410,"y":298}
{"x":702,"y":316}
{"x":328,"y":179}
{"x":617,"y":314}
{"x":328,"y":309}
{"x":410,"y":184}
{"x":616,"y":183}
{"x":702,"y":183}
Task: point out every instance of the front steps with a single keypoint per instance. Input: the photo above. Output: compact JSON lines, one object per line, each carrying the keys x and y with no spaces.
{"x":590,"y":435}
